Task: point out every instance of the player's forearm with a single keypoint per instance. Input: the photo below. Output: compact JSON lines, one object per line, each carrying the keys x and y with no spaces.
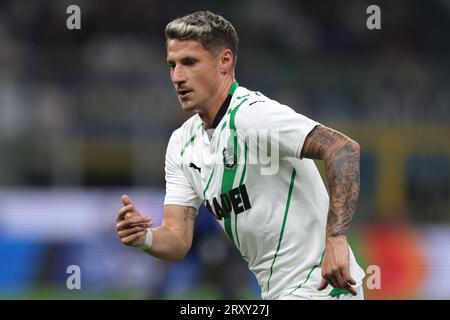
{"x":341,"y":155}
{"x":342,"y":171}
{"x":167,"y":244}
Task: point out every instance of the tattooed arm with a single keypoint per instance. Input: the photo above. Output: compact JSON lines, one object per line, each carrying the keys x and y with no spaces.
{"x":341,"y":156}
{"x":171,"y":240}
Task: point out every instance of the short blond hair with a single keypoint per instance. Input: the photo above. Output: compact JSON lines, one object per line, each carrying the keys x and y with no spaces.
{"x":212,"y":30}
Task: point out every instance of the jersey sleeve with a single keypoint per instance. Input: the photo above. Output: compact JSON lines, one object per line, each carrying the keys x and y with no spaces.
{"x":291,"y":127}
{"x":179,"y":190}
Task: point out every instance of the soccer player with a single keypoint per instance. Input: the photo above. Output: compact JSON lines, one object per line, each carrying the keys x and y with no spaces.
{"x":280,"y":217}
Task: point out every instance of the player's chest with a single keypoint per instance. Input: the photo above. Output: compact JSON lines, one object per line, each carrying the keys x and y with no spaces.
{"x":207,"y":163}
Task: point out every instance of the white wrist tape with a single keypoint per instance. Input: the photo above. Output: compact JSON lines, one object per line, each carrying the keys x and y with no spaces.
{"x":148,"y":240}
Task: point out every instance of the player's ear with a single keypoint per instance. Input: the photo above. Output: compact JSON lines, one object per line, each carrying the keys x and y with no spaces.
{"x":226,"y":61}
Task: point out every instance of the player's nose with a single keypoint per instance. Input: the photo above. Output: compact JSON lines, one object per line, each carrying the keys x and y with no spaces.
{"x":178,"y":76}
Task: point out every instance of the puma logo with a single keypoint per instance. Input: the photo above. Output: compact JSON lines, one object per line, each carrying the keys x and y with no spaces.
{"x":192,"y":165}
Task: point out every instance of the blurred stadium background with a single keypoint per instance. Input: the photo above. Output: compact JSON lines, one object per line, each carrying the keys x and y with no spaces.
{"x":85,"y":116}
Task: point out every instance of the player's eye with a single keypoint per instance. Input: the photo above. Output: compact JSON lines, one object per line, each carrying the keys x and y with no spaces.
{"x":190,"y":62}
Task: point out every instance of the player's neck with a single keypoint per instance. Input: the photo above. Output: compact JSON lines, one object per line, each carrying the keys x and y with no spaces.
{"x":211,"y":111}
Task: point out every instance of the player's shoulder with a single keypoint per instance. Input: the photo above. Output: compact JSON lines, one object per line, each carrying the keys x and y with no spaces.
{"x":187,"y":131}
{"x":253,"y":108}
{"x":244,"y":97}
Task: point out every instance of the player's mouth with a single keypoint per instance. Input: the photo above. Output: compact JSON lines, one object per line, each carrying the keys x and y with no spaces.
{"x":184,"y":93}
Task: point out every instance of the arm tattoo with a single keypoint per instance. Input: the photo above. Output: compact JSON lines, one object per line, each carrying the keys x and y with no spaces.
{"x":189,"y":213}
{"x":341,"y":156}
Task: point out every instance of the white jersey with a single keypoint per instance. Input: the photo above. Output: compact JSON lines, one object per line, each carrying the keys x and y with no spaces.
{"x":277,"y":217}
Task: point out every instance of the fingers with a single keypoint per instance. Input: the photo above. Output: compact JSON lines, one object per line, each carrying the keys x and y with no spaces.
{"x":121,"y":215}
{"x":323,"y":284}
{"x":132,"y":239}
{"x":129,"y":231}
{"x":350,"y":289}
{"x":128,"y":215}
{"x":126,"y":200}
{"x":146,"y":224}
{"x":331,"y":280}
{"x":133,"y":221}
{"x":347,"y":277}
{"x":127,"y":210}
{"x":131,"y":226}
{"x":339,"y":278}
{"x":349,"y":281}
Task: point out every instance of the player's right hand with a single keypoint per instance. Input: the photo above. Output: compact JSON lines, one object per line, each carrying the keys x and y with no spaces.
{"x":336,"y":265}
{"x":131,"y":225}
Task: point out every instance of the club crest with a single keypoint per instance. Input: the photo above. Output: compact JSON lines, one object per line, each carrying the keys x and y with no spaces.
{"x":229,"y":158}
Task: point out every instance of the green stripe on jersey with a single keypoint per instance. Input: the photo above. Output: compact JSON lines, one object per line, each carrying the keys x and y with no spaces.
{"x":220,"y":134}
{"x":209,"y":181}
{"x":230,"y":174}
{"x":244,"y":96}
{"x":286,"y":211}
{"x":233,"y":88}
{"x":240,"y":183}
{"x":233,"y":112}
{"x":309,"y":273}
{"x":245,"y":163}
{"x":227,"y":185}
{"x":187,"y":144}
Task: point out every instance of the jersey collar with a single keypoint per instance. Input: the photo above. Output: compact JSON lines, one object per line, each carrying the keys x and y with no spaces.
{"x":223,"y":109}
